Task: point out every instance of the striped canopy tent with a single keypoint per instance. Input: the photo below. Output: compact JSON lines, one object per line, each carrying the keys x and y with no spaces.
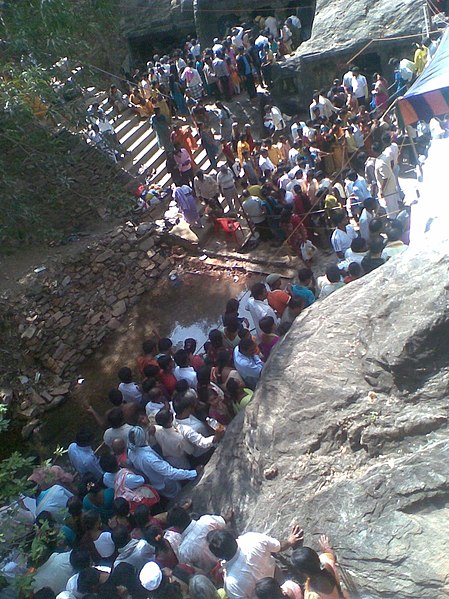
{"x":429,"y":95}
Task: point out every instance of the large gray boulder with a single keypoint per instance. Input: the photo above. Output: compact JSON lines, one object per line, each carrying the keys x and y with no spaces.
{"x":351,"y":412}
{"x":371,"y":31}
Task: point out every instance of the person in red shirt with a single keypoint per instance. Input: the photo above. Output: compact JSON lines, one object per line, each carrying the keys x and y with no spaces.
{"x":149,"y":349}
{"x":277,"y":297}
{"x":196,"y":361}
{"x":227,"y":150}
{"x":166,"y":376}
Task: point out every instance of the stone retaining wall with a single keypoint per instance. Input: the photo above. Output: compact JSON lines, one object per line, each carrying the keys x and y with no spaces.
{"x":64,"y":313}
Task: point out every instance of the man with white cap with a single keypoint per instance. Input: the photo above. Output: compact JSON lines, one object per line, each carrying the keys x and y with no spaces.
{"x":150,"y":576}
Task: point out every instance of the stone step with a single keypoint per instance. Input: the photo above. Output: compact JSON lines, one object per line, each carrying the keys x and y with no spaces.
{"x":145,"y":138}
{"x":150,"y":159}
{"x":134,"y":134}
{"x":139,"y":140}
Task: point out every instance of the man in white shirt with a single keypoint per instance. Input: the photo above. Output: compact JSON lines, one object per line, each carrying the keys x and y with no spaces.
{"x":237,"y":37}
{"x":389,"y":196}
{"x":136,"y":552}
{"x":172,"y":443}
{"x":284,"y":180}
{"x":248,"y":559}
{"x":271,"y":23}
{"x":343,"y":235}
{"x":278,"y":119}
{"x":217,"y":47}
{"x":394,"y":246}
{"x":194,"y":549}
{"x":256,"y":213}
{"x":86,"y":581}
{"x":82,"y":456}
{"x":206,"y":187}
{"x":129,"y":389}
{"x":226,"y":184}
{"x":293,"y":153}
{"x":253,"y":208}
{"x":183,"y":370}
{"x":59,"y":568}
{"x":196,"y":443}
{"x":359,"y":86}
{"x":265,"y":163}
{"x":356,"y":191}
{"x":355,"y":253}
{"x":331,"y":282}
{"x":347,"y":79}
{"x":196,"y":49}
{"x":258,"y":305}
{"x":368,"y":213}
{"x":118,"y":429}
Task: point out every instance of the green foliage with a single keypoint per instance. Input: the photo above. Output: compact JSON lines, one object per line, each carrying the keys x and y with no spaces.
{"x":4,"y":422}
{"x":23,"y":585}
{"x":36,"y":169}
{"x":78,"y":29}
{"x":46,"y":538}
{"x":13,"y":476}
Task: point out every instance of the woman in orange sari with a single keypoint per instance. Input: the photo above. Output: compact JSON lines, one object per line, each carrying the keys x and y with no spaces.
{"x":184,"y":137}
{"x":144,"y":108}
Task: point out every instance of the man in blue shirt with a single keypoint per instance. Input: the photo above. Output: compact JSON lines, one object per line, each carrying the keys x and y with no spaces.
{"x":245,"y":69}
{"x":301,"y":289}
{"x":247,"y":362}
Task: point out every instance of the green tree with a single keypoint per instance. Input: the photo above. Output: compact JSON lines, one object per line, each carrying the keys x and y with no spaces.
{"x":47,"y":30}
{"x":43,"y":41}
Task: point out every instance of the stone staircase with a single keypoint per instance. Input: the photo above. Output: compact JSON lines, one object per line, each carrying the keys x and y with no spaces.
{"x":139,"y":140}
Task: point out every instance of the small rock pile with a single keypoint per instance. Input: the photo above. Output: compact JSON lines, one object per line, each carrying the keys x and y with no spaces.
{"x":64,"y":313}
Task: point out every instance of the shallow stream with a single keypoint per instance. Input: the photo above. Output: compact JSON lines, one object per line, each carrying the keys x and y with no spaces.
{"x":190,"y":310}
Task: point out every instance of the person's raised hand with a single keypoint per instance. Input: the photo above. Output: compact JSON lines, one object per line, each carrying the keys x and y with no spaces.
{"x":325,"y":543}
{"x":296,"y":536}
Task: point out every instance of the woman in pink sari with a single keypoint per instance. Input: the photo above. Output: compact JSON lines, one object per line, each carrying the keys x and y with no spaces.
{"x":380,"y":92}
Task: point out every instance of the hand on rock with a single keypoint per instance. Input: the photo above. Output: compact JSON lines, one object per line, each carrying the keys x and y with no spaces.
{"x":325,"y":543}
{"x":228,"y":514}
{"x":296,"y":536}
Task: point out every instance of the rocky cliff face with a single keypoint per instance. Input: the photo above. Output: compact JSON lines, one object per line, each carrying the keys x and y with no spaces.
{"x":340,"y":30}
{"x":351,"y":415}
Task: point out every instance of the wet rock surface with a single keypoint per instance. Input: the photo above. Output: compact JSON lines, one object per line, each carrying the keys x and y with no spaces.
{"x":351,"y":414}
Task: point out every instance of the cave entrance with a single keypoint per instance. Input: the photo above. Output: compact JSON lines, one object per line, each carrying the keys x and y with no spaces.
{"x":369,"y":64}
{"x":225,"y":22}
{"x":264,"y":11}
{"x":144,"y":47}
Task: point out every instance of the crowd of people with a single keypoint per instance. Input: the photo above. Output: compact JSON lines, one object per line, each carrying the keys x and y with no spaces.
{"x":293,"y":184}
{"x":116,"y":527}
